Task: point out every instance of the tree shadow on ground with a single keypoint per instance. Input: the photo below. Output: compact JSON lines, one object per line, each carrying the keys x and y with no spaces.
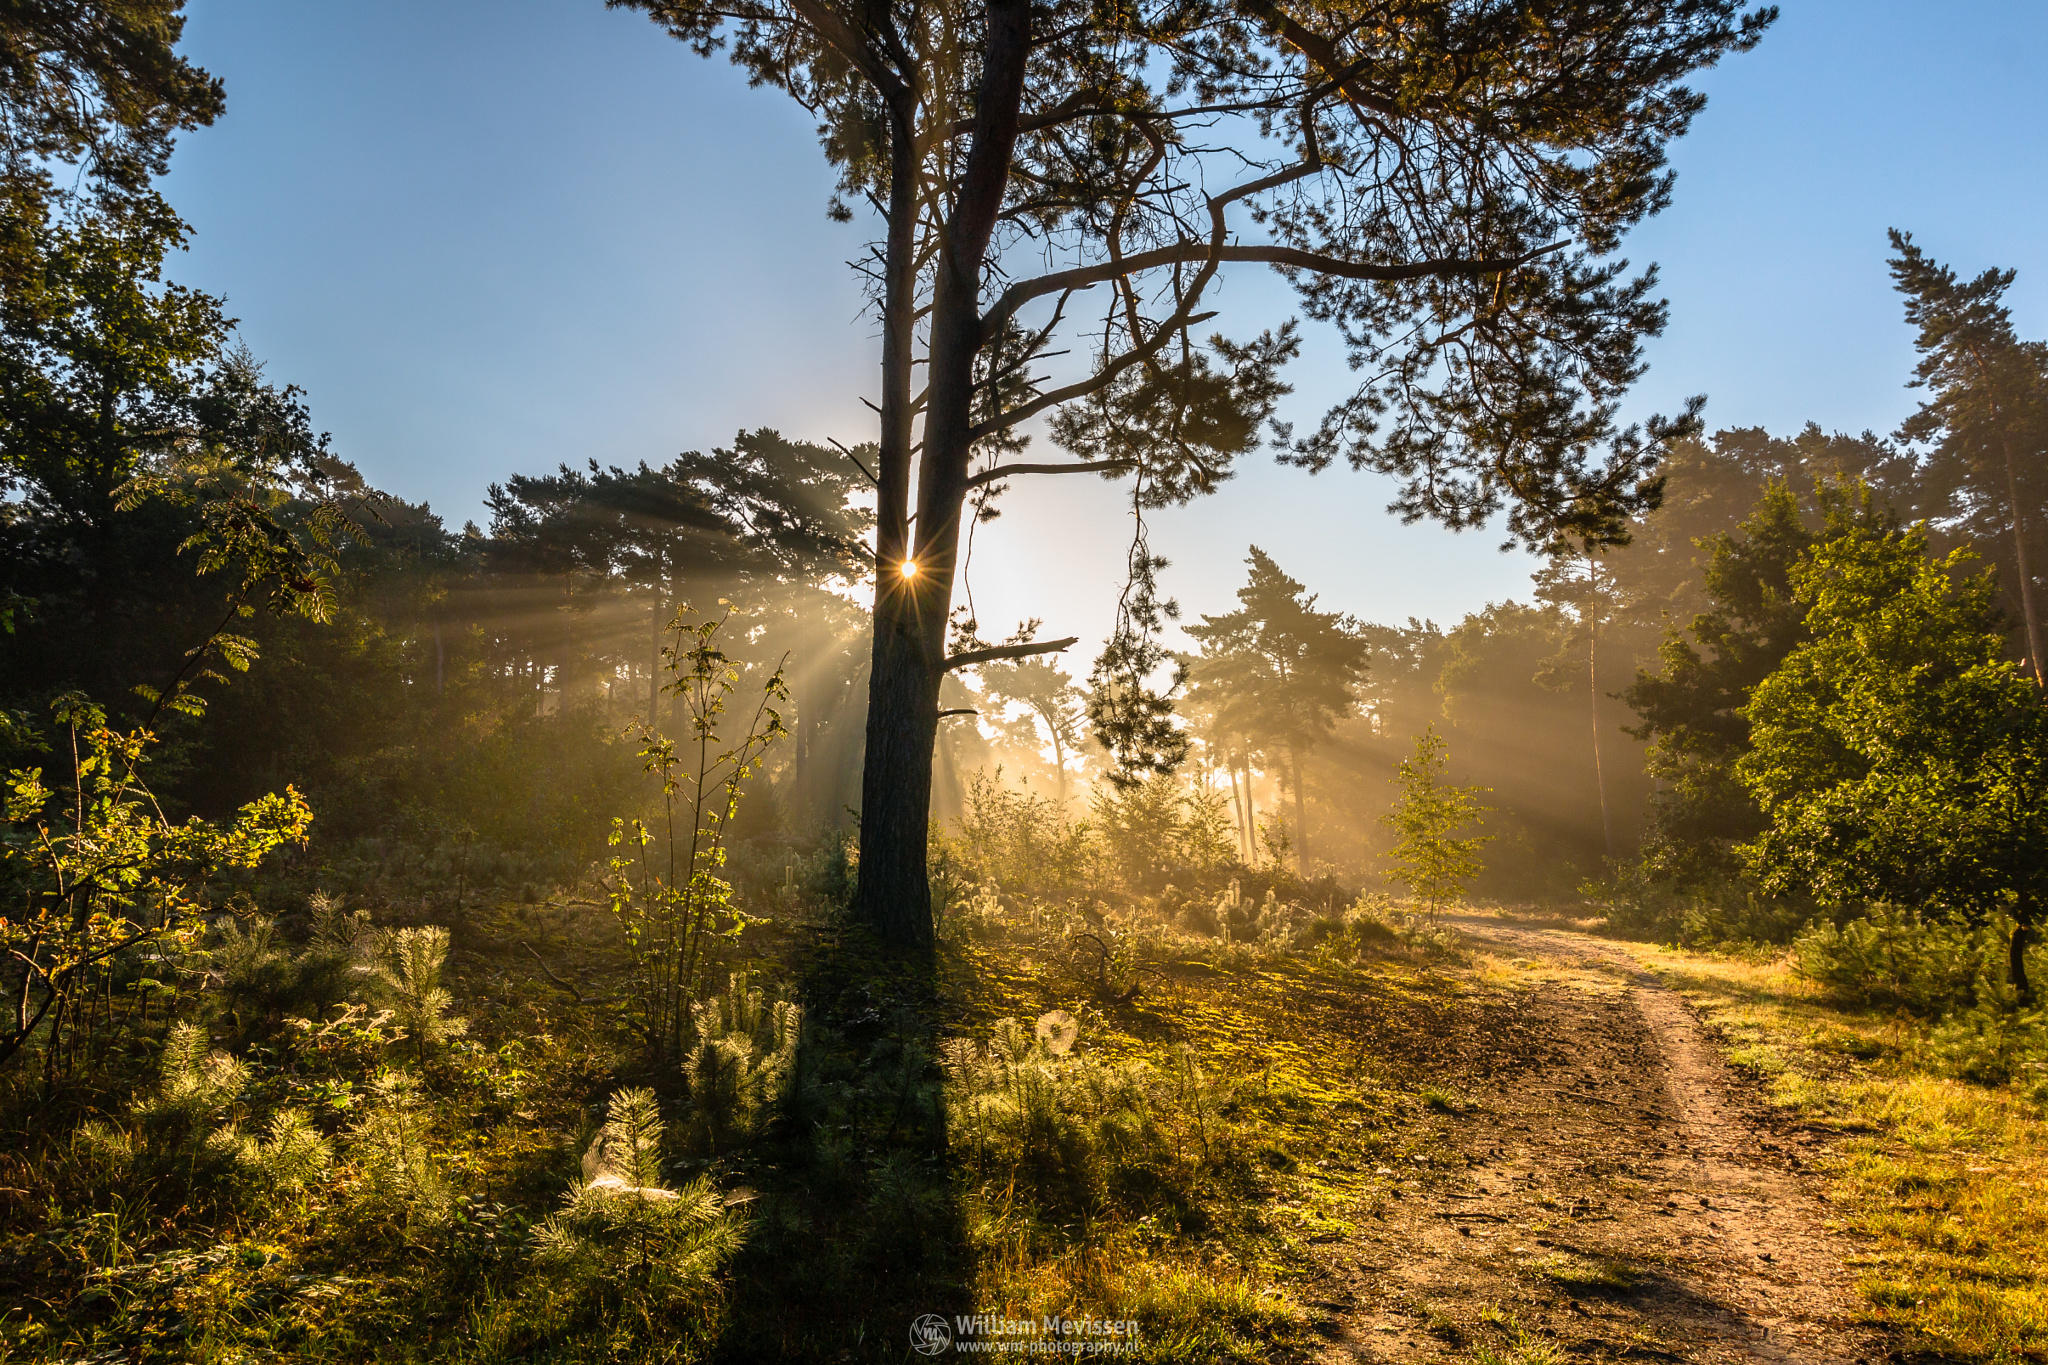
{"x":857,"y":1227}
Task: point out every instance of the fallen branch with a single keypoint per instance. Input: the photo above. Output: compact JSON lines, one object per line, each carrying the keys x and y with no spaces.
{"x":574,"y":991}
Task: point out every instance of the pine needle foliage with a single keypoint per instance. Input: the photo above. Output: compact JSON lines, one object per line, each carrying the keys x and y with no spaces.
{"x":626,"y":1248}
{"x":394,"y":1146}
{"x":743,"y":1062}
{"x":1433,"y":856}
{"x":406,"y":966}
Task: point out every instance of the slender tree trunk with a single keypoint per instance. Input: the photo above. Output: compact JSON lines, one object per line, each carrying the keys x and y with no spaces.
{"x":1244,"y":839}
{"x":911,"y":607}
{"x":893,"y":895}
{"x":1251,"y":814}
{"x":1593,"y":692}
{"x":1059,"y":760}
{"x":2023,"y":934}
{"x":654,"y":651}
{"x":800,"y":763}
{"x":2030,"y":616}
{"x":2037,"y":662}
{"x":1300,"y":814}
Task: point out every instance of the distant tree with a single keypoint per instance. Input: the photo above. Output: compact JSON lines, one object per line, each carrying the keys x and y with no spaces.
{"x":1436,"y":850}
{"x":769,"y":513}
{"x":1711,"y":483}
{"x":1048,"y":693}
{"x":1509,"y":701}
{"x":1986,"y":415}
{"x":1897,"y":753}
{"x":1691,"y":708}
{"x":1445,"y":183}
{"x":1283,"y":672}
{"x":1584,"y":586}
{"x":1214,"y":714}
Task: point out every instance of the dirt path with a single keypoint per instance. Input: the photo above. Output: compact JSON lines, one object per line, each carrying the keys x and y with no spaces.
{"x":1600,"y":1186}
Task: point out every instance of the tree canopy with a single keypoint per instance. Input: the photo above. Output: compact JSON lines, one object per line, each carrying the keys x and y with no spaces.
{"x":1445,"y":184}
{"x":1897,"y":753}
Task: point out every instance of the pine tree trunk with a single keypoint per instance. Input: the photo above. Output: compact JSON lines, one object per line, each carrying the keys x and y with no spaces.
{"x":1300,"y":814}
{"x":1059,"y":759}
{"x":894,"y":895}
{"x":2037,"y":663}
{"x":1251,"y":814}
{"x":896,"y":780}
{"x":654,"y":652}
{"x":1244,"y":840}
{"x":1593,"y":692}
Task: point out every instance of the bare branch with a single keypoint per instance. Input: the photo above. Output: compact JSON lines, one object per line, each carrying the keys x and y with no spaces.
{"x":974,"y":657}
{"x":856,"y":462}
{"x":1281,"y":257}
{"x":1004,"y":471}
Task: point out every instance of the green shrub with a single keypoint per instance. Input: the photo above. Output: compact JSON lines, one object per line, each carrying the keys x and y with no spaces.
{"x":1897,"y":957}
{"x":1991,"y":1044}
{"x":287,"y":1157}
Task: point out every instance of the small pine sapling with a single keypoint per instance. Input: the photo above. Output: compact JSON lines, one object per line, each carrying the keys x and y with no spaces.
{"x":406,"y":966}
{"x":621,"y":1225}
{"x":1434,"y":857}
{"x":743,"y":1061}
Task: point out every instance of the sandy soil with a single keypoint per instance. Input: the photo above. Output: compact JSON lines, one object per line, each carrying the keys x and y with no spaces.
{"x":1602,"y":1186}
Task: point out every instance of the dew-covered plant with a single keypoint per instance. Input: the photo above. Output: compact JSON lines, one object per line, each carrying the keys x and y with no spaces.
{"x":405,"y":965}
{"x":742,"y":1063}
{"x":393,"y":1144}
{"x":1066,"y":1133}
{"x":624,"y":1239}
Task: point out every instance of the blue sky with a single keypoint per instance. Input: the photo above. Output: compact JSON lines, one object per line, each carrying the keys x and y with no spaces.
{"x":491,"y":235}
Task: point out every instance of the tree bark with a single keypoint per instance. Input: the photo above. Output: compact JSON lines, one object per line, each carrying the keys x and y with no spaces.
{"x":894,"y":895}
{"x":1300,"y":814}
{"x":1593,"y":692}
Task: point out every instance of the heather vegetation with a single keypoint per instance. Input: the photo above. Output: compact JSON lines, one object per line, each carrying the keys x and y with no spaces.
{"x":657,"y":925}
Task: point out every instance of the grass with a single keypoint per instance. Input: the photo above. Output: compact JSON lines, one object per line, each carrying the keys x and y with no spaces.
{"x":1212,"y":1134}
{"x":1585,"y":1273}
{"x":1943,"y":1181}
{"x":1295,"y":1097}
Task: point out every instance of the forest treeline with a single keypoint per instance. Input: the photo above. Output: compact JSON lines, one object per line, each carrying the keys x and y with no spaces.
{"x":471,"y":687}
